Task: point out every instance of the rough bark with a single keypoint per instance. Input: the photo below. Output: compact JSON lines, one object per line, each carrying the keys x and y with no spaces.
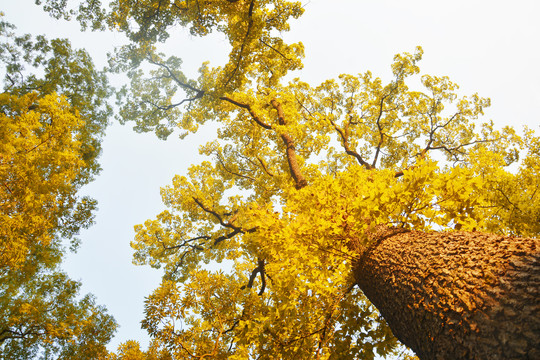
{"x":457,"y":295}
{"x":294,"y":167}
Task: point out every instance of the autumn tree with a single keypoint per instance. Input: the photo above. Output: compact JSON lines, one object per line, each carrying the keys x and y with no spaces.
{"x":322,"y":201}
{"x":53,"y":112}
{"x":131,"y":350}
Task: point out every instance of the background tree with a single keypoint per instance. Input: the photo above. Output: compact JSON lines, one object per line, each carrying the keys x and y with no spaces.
{"x":295,"y":210}
{"x":52,"y":128}
{"x":131,"y":350}
{"x":53,"y":114}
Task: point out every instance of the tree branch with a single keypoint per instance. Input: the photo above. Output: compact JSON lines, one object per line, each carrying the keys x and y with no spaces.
{"x":265,"y":168}
{"x":258,"y":270}
{"x":220,"y":159}
{"x":273,"y":48}
{"x":184,"y":85}
{"x":186,"y":243}
{"x":171,"y":106}
{"x":215,"y":214}
{"x":249,"y":109}
{"x":294,"y":167}
{"x":346,"y":146}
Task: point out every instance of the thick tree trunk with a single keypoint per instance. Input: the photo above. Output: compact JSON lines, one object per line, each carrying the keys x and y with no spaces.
{"x":458,"y":295}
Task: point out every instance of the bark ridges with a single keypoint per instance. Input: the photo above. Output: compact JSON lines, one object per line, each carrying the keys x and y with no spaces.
{"x":456,"y":295}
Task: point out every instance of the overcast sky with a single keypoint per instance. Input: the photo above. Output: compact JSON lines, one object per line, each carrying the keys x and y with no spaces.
{"x":489,"y":47}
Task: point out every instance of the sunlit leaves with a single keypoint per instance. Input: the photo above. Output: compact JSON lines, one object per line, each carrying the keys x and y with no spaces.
{"x":131,"y":350}
{"x":512,"y":196}
{"x":40,"y":160}
{"x":42,"y":67}
{"x":298,"y":179}
{"x":257,"y":55}
{"x":292,"y":247}
{"x":52,"y":116}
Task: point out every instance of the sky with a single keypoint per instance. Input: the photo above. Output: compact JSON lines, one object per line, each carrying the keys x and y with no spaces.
{"x":490,"y":47}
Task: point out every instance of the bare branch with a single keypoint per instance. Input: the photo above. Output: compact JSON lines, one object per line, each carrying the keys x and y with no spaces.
{"x":186,"y":243}
{"x":346,"y":146}
{"x":232,"y":234}
{"x":457,"y":148}
{"x":249,"y":109}
{"x":7,"y":188}
{"x":215,"y":214}
{"x":509,"y":201}
{"x":258,"y":270}
{"x":171,"y":106}
{"x":184,"y":85}
{"x":265,"y":168}
{"x":220,"y":159}
{"x":381,"y":133}
{"x":276,"y":50}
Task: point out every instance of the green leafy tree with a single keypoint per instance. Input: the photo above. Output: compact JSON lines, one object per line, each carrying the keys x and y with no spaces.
{"x":42,"y":318}
{"x":324,"y":201}
{"x":53,"y":112}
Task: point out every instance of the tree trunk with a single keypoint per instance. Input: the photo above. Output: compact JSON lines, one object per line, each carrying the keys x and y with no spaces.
{"x":457,"y":295}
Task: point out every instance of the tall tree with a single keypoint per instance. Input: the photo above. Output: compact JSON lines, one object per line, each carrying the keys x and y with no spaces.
{"x":320,"y":198}
{"x":53,"y":112}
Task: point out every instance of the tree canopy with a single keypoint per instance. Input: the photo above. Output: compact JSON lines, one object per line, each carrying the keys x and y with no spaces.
{"x":53,"y":112}
{"x":298,"y":178}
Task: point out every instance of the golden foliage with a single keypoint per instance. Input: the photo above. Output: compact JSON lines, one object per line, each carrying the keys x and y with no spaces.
{"x":296,"y":175}
{"x":40,"y":158}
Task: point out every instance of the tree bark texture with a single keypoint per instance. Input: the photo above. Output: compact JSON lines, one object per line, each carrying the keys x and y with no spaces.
{"x":456,"y":295}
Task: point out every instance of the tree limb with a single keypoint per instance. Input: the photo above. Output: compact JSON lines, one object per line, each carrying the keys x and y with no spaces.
{"x":294,"y":167}
{"x":254,"y":116}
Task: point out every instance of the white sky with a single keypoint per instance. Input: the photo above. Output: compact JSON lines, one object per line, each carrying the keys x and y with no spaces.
{"x":490,"y":47}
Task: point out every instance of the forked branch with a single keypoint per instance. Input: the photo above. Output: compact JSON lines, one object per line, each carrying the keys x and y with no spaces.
{"x":258,"y":270}
{"x":254,"y":116}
